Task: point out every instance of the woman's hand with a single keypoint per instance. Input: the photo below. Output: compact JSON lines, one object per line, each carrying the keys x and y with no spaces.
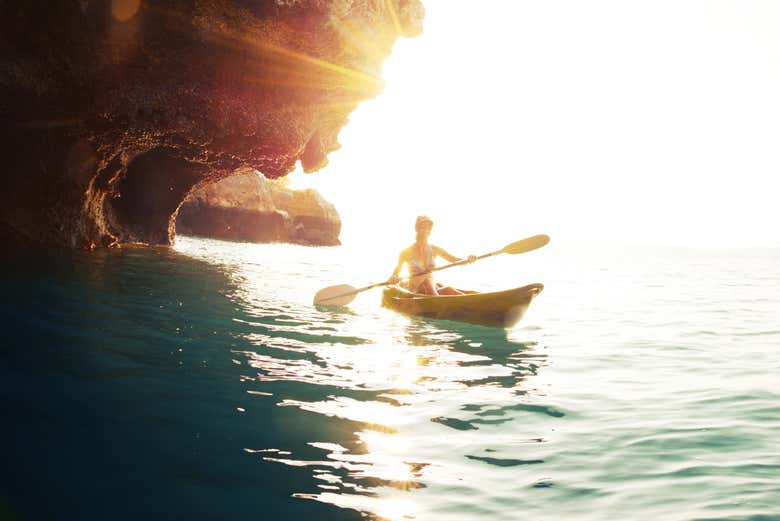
{"x":393,"y":279}
{"x":471,"y":258}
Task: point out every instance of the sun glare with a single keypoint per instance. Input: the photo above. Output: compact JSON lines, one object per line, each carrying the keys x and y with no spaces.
{"x":573,"y":119}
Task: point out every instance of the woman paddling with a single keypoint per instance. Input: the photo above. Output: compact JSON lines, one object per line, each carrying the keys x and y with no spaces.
{"x":421,"y":257}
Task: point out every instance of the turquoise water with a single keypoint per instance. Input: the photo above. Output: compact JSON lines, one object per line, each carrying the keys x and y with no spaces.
{"x":199,"y":383}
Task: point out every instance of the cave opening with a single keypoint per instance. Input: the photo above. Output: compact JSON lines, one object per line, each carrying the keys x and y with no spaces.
{"x":241,"y":207}
{"x":248,"y":207}
{"x":148,"y":196}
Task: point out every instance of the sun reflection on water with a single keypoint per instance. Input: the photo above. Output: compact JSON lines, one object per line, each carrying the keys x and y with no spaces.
{"x":401,"y":388}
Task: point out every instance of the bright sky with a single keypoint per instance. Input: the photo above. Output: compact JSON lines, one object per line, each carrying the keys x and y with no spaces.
{"x":621,"y":120}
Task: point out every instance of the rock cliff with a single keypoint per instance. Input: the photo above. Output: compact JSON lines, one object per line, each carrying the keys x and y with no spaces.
{"x":113,"y":111}
{"x":247,"y":207}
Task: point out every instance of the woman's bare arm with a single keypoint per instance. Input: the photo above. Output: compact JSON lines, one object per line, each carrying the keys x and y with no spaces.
{"x":452,"y":258}
{"x":440,"y":252}
{"x":402,"y":259}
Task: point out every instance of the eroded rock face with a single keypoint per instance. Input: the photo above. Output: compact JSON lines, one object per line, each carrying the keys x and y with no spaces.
{"x":113,"y":111}
{"x":247,"y":207}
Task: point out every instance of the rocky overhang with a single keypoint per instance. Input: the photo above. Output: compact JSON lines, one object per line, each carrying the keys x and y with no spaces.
{"x":113,"y":111}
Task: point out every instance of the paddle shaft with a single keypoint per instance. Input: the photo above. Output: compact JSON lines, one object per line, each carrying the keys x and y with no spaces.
{"x":345,"y":290}
{"x":387,"y":282}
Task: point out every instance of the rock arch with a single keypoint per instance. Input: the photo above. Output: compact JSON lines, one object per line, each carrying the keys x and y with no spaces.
{"x":109,"y":117}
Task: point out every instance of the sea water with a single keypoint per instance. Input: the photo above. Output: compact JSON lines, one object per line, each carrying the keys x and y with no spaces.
{"x":200,"y":383}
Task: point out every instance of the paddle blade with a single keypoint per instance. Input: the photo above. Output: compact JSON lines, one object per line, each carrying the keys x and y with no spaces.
{"x":529,"y":244}
{"x":340,"y":295}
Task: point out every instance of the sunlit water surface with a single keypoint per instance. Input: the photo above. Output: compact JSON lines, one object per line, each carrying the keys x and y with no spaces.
{"x":200,"y":383}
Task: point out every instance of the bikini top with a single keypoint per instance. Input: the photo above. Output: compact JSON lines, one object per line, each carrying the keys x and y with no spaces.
{"x":417,"y":266}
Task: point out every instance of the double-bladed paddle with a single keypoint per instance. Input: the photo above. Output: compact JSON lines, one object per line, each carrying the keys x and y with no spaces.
{"x":343,"y":294}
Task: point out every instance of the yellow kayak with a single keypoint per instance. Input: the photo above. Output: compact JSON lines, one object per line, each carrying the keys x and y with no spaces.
{"x":495,"y":309}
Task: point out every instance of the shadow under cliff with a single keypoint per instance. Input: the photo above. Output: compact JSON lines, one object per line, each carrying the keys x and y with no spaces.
{"x":122,"y":399}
